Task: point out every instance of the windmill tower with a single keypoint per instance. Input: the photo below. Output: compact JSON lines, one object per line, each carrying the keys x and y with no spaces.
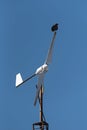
{"x":42,"y":124}
{"x":40,"y":72}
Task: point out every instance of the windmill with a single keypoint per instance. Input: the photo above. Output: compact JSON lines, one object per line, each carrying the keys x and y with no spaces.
{"x":40,"y":72}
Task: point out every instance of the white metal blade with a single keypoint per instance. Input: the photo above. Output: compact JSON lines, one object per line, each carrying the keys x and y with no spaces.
{"x":19,"y":79}
{"x":49,"y":56}
{"x":40,"y":83}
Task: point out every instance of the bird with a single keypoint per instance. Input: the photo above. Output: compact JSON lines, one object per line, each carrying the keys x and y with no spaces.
{"x":54,"y":27}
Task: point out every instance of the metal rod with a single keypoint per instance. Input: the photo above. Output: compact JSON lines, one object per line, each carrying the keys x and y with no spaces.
{"x":41,"y":107}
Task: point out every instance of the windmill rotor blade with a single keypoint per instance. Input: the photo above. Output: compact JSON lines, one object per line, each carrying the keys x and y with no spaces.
{"x":37,"y":95}
{"x":40,"y":83}
{"x":19,"y":80}
{"x":50,"y":51}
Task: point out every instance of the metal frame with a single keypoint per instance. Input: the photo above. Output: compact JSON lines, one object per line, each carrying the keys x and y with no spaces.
{"x":41,"y":126}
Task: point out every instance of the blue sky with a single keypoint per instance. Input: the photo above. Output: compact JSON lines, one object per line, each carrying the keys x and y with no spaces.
{"x":25,"y":37}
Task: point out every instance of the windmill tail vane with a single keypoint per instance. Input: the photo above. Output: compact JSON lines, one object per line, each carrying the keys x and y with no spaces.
{"x":20,"y":81}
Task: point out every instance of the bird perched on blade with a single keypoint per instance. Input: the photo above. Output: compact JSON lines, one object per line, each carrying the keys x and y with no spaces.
{"x":54,"y":27}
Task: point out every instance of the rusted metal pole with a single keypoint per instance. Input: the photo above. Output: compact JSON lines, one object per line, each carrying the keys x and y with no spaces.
{"x":42,"y":125}
{"x":41,"y":107}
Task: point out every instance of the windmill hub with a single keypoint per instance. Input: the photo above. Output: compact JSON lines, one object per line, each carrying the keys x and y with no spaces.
{"x":42,"y":69}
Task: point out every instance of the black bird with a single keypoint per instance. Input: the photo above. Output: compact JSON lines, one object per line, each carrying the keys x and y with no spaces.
{"x":54,"y":27}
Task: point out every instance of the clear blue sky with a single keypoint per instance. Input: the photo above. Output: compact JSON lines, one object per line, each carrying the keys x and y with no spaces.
{"x":25,"y":37}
